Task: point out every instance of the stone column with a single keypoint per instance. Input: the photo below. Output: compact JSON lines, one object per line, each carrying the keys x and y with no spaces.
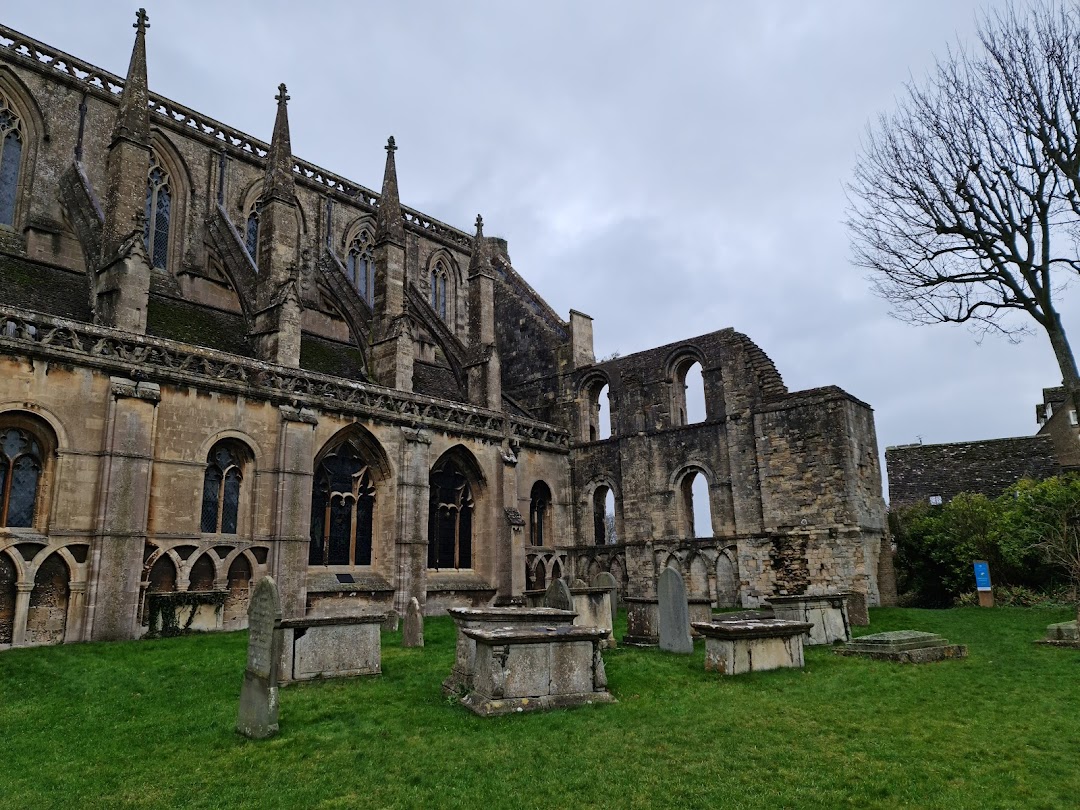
{"x":123,"y":505}
{"x":22,"y":609}
{"x":291,"y":532}
{"x":509,"y":535}
{"x":411,"y":543}
{"x":74,"y":626}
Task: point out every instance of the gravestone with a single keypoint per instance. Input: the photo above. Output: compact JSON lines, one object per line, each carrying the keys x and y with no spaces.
{"x":856,"y":609}
{"x":258,"y":715}
{"x":674,"y":613}
{"x":606,"y":580}
{"x":578,"y":583}
{"x":558,"y":596}
{"x":414,"y":625}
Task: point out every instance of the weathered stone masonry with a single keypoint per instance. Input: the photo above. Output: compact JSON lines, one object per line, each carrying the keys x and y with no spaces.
{"x":219,"y":361}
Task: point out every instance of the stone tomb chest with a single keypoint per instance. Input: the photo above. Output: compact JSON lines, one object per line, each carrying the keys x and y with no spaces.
{"x":826,"y":614}
{"x":330,"y":647}
{"x":905,"y":646}
{"x":531,"y":668}
{"x":460,"y":679}
{"x":754,"y":645}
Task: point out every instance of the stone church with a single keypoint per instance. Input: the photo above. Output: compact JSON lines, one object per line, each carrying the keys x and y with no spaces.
{"x":220,"y":362}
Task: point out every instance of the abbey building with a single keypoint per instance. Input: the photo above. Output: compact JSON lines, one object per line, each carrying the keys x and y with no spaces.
{"x":219,"y":361}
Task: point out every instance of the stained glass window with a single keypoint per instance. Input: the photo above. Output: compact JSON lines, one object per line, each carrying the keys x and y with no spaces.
{"x":158,"y":213}
{"x":21,"y":463}
{"x":539,"y":506}
{"x":342,"y":509}
{"x":11,"y":147}
{"x":449,"y":517}
{"x":221,"y":488}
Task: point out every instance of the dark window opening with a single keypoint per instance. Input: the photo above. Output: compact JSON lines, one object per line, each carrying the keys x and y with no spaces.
{"x":342,"y":510}
{"x":221,"y":488}
{"x":21,"y":463}
{"x":450,"y":518}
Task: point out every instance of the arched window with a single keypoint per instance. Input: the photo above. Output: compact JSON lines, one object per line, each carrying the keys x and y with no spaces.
{"x":360,"y":266}
{"x":342,"y":509}
{"x":438,"y":289}
{"x":21,"y":464}
{"x":251,"y":234}
{"x":221,"y":487}
{"x":696,"y":510}
{"x":604,"y":532}
{"x":596,"y":419}
{"x":11,"y":151}
{"x":450,"y":517}
{"x":539,"y":513}
{"x":687,"y":393}
{"x":158,"y":213}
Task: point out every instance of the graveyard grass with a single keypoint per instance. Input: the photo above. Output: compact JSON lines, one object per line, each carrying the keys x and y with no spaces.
{"x":150,"y":724}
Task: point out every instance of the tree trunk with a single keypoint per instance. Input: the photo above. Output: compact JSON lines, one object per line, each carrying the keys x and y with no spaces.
{"x":1070,"y":378}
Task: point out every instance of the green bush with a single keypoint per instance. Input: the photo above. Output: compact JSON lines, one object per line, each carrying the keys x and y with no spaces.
{"x":936,"y":545}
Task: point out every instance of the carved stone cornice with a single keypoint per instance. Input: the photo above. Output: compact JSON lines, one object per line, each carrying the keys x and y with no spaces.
{"x":119,"y":353}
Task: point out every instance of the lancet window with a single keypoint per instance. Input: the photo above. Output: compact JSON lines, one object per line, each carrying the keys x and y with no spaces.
{"x":450,"y":517}
{"x":342,"y":509}
{"x":11,"y":151}
{"x":539,"y":513}
{"x":360,"y":266}
{"x":21,"y":464}
{"x":221,"y":488}
{"x":438,"y":289}
{"x":251,"y":233}
{"x":158,"y":215}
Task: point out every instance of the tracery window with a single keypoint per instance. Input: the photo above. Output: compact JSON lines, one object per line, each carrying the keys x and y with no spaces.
{"x":342,"y":509}
{"x":450,"y":517}
{"x":251,"y":233}
{"x":11,"y":150}
{"x":438,"y":289}
{"x":158,"y":215}
{"x":21,"y":463}
{"x":539,"y":513}
{"x":360,"y":266}
{"x":221,"y":487}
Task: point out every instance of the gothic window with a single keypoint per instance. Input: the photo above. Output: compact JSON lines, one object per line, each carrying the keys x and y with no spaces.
{"x":221,"y":487}
{"x":21,"y":464}
{"x":596,"y":419}
{"x":158,"y":214}
{"x":539,"y":513}
{"x":342,"y":509}
{"x":696,"y":510}
{"x":438,"y":289}
{"x":450,"y":517}
{"x":360,"y":266}
{"x":11,"y":150}
{"x":687,"y":393}
{"x":251,"y":233}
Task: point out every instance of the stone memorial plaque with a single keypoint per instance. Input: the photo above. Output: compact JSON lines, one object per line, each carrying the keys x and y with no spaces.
{"x":258,"y":714}
{"x":674,"y":613}
{"x":558,"y":596}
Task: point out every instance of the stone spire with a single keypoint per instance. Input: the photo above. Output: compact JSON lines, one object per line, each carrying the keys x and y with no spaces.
{"x":389,"y":225}
{"x":480,"y":262}
{"x":279,"y":182}
{"x":133,"y":117}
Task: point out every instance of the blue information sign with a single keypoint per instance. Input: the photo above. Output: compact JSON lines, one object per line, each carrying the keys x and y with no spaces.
{"x":982,"y":575}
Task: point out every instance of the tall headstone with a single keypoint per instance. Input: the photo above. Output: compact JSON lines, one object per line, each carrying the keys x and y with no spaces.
{"x":579,"y":583}
{"x":258,"y":716}
{"x":558,"y":595}
{"x":414,"y":625}
{"x":674,"y":613}
{"x":606,"y":580}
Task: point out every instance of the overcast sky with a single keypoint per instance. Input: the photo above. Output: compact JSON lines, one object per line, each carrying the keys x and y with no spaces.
{"x":670,"y":169}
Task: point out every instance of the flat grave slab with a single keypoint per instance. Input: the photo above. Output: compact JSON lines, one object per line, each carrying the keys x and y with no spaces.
{"x":904,"y":646}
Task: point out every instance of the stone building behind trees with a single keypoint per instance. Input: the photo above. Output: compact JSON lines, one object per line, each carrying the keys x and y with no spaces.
{"x":219,"y":361}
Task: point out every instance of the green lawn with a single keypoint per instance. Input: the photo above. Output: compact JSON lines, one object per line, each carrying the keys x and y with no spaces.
{"x":150,"y":724}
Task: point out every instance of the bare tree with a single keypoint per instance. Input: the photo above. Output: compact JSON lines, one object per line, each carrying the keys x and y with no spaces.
{"x":964,"y":201}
